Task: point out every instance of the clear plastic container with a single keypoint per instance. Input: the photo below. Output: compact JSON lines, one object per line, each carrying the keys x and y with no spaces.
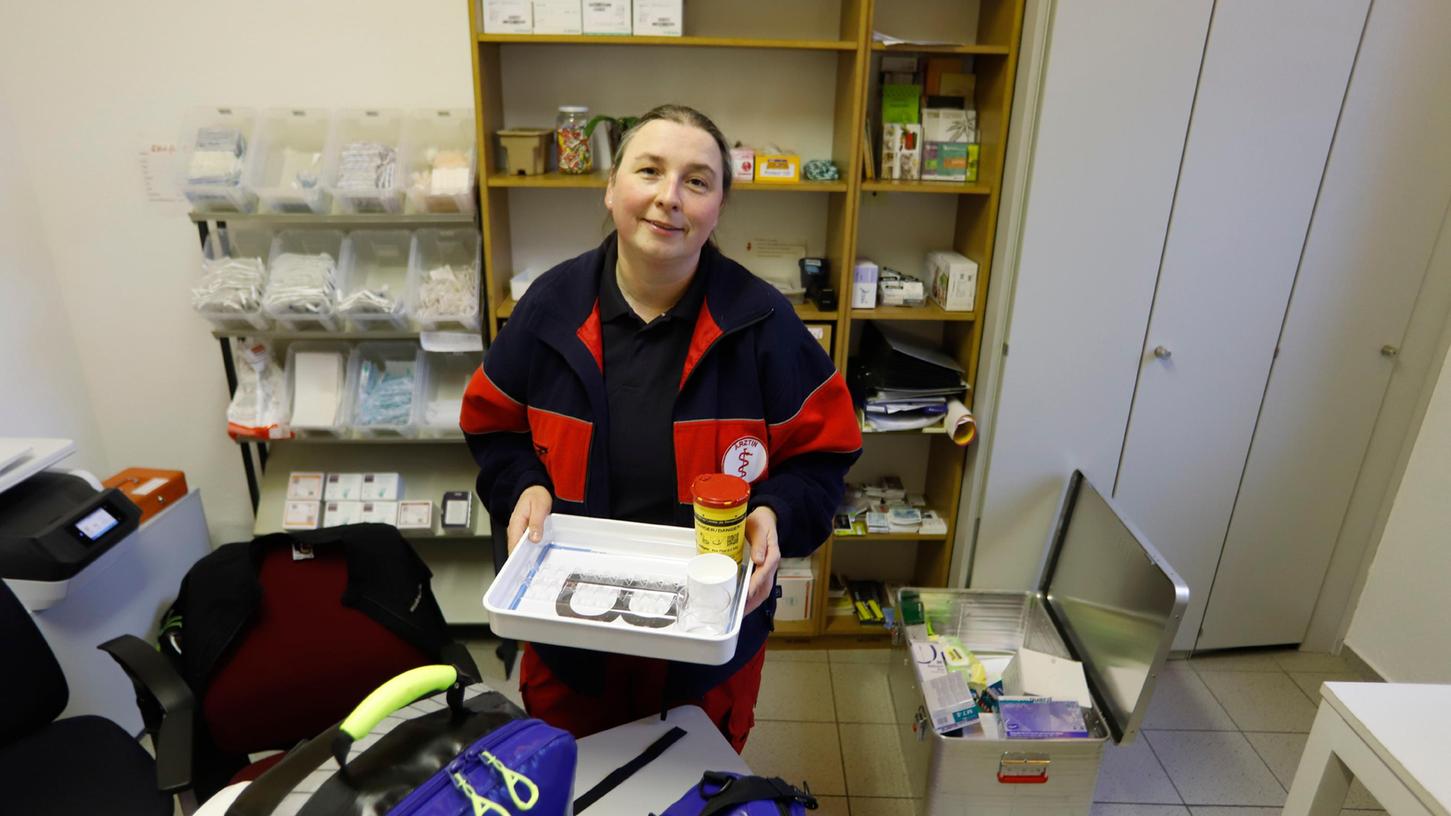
{"x":375,"y":265}
{"x":286,"y":160}
{"x":438,"y":160}
{"x":212,"y":159}
{"x":306,"y":420}
{"x":227,"y":244}
{"x":317,"y":309}
{"x":443,"y":279}
{"x":569,"y":138}
{"x":362,"y":168}
{"x":446,"y":376}
{"x":382,"y":389}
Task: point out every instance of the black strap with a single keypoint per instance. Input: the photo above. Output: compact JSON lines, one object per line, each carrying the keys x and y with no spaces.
{"x":742,"y":789}
{"x":627,"y":770}
{"x":267,"y":791}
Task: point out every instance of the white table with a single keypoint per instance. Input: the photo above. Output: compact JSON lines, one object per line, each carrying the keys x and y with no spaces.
{"x":655,"y":786}
{"x":1390,"y":736}
{"x":650,"y":790}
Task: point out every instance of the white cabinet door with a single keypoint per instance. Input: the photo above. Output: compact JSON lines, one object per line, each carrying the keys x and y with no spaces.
{"x":1386,"y":187}
{"x":1110,"y":135}
{"x":1271,"y":87}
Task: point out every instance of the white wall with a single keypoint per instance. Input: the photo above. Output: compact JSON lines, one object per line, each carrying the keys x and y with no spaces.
{"x":1399,"y":626}
{"x":42,"y":387}
{"x":85,"y":89}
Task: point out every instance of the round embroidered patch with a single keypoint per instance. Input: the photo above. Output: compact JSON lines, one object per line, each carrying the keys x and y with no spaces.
{"x":746,"y":458}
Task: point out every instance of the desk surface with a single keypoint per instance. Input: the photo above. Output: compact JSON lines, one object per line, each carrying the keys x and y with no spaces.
{"x":1406,"y":724}
{"x":655,"y":786}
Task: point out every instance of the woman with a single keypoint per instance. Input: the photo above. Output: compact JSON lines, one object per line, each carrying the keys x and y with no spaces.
{"x":633,"y":368}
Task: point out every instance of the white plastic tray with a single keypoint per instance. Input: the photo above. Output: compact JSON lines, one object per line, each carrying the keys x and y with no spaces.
{"x":640,"y":549}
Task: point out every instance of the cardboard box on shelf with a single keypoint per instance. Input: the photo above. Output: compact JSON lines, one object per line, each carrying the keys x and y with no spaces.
{"x":606,"y":17}
{"x":558,"y":17}
{"x":901,"y":152}
{"x":778,"y":168}
{"x":659,"y":18}
{"x":508,"y":17}
{"x":954,"y":280}
{"x":864,"y":284}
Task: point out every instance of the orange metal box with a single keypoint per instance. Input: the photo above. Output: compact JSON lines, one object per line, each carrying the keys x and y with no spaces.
{"x":151,"y":490}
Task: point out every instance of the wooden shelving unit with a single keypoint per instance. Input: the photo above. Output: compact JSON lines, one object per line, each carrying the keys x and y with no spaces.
{"x":985,"y":32}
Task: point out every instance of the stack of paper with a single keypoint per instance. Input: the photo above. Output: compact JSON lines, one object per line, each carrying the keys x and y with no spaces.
{"x":318,"y":388}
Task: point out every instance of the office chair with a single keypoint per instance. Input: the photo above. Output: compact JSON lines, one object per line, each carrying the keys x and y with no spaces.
{"x":307,"y":656}
{"x":78,"y":765}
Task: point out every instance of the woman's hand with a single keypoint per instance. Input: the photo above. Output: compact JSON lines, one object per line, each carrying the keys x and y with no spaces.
{"x":529,"y":513}
{"x":765,"y":552}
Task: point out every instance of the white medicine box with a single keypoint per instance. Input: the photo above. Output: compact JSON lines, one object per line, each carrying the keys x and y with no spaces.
{"x":558,"y":17}
{"x":606,"y":17}
{"x":954,"y":280}
{"x":659,"y":18}
{"x":508,"y":17}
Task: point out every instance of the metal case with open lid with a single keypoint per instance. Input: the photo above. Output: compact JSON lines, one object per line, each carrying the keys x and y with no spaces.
{"x":1106,"y":598}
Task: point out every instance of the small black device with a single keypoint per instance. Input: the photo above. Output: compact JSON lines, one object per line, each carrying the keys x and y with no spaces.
{"x":816,"y":280}
{"x":825,"y":299}
{"x":53,"y":524}
{"x":457,"y":505}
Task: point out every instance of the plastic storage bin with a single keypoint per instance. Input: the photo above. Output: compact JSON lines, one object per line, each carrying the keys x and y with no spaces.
{"x":286,"y":161}
{"x":213,"y":151}
{"x":315,"y":309}
{"x":375,"y":265}
{"x":382,"y":389}
{"x":446,"y":375}
{"x":322,"y":410}
{"x":362,"y":167}
{"x":227,"y":311}
{"x":443,"y":275}
{"x":439,"y":163}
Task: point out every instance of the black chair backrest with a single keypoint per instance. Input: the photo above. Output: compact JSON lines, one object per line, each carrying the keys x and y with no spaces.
{"x":33,"y":686}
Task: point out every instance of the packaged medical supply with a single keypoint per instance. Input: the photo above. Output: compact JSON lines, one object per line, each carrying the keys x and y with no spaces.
{"x":285,"y":161}
{"x":1040,"y":718}
{"x":945,"y":133}
{"x":381,"y":378}
{"x":954,"y":280}
{"x":721,"y":501}
{"x":302,"y":284}
{"x":381,"y":487}
{"x":457,"y":510}
{"x":338,"y":513}
{"x":305,"y":485}
{"x":443,"y":274}
{"x":901,"y":151}
{"x":508,"y":17}
{"x":743,"y":163}
{"x":606,"y":17}
{"x":258,"y":409}
{"x":300,"y":514}
{"x":437,"y":154}
{"x":897,"y":289}
{"x":316,"y":379}
{"x":373,"y":275}
{"x":415,"y":515}
{"x":213,"y":158}
{"x":570,"y":139}
{"x":864,"y":284}
{"x":659,"y":18}
{"x":558,"y":17}
{"x":230,"y":286}
{"x":778,"y":168}
{"x":1038,"y":674}
{"x":949,"y":702}
{"x":379,"y":512}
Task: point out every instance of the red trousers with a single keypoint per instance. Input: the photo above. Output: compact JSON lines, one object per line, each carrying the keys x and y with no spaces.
{"x":633,"y":689}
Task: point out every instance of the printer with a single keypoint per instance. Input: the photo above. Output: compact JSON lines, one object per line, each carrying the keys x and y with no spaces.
{"x":53,"y":522}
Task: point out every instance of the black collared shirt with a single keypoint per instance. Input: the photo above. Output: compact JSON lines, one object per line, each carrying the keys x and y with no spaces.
{"x":643,"y":363}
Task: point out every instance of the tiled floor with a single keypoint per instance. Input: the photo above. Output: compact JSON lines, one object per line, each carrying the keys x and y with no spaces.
{"x":1223,"y":734}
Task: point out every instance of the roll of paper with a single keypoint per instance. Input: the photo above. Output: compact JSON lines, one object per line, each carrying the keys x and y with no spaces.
{"x":960,"y":423}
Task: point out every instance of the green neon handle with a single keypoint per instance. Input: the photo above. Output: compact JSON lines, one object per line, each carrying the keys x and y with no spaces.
{"x":395,"y":694}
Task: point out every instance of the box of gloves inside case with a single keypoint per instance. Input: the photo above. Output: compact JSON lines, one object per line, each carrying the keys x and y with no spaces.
{"x":150,"y":489}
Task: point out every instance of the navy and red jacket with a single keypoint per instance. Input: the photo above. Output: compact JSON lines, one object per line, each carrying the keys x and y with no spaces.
{"x":757,"y":397}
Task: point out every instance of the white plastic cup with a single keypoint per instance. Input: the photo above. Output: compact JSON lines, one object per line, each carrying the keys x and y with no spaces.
{"x":710,"y":587}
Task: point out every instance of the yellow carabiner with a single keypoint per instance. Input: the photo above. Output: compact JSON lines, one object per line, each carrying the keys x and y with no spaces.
{"x":482,"y":806}
{"x":511,"y":779}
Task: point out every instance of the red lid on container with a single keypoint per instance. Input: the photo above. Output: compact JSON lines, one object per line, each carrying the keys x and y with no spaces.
{"x":720,"y":490}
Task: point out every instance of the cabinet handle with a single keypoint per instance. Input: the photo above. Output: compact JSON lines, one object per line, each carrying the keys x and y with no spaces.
{"x":1389,"y":351}
{"x":1162,"y":352}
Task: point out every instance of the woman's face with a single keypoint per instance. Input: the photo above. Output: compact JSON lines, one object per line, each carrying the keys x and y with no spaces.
{"x":665,"y":195}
